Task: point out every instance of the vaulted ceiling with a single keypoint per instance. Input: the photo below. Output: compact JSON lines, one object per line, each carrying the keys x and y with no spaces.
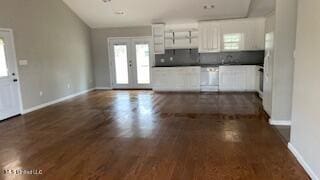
{"x":121,"y":13}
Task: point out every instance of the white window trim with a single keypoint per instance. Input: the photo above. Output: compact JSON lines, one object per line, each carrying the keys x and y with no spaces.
{"x":241,"y":42}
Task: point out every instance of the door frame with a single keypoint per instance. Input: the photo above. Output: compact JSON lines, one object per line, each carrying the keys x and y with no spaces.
{"x":127,"y":42}
{"x":15,"y":64}
{"x":132,"y":39}
{"x":151,"y":60}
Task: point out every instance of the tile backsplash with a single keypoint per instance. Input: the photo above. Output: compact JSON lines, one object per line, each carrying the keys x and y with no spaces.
{"x":191,"y":57}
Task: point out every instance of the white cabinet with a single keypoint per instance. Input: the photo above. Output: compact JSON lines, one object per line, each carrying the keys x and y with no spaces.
{"x":237,"y":78}
{"x":232,"y":35}
{"x":251,"y":32}
{"x":252,"y":78}
{"x":231,"y":78}
{"x":209,"y":37}
{"x":158,"y":38}
{"x":255,"y":34}
{"x":176,"y":78}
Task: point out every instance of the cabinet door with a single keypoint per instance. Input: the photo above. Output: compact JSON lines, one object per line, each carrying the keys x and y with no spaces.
{"x":254,"y":34}
{"x":226,"y":80}
{"x":193,"y":78}
{"x":232,"y":79}
{"x":176,"y":79}
{"x":157,"y":78}
{"x":251,"y":31}
{"x":260,"y":36}
{"x":161,"y":79}
{"x":209,"y":33}
{"x":203,"y":37}
{"x":158,"y":38}
{"x":251,"y":78}
{"x":179,"y":75}
{"x":240,"y":83}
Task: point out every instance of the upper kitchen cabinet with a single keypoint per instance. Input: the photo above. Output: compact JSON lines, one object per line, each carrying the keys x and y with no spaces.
{"x":242,"y":34}
{"x":158,"y":38}
{"x":209,"y":37}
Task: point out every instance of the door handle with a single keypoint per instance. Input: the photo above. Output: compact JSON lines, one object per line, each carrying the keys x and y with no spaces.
{"x":15,"y":80}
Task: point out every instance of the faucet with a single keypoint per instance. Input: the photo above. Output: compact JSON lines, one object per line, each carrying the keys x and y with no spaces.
{"x":229,"y":57}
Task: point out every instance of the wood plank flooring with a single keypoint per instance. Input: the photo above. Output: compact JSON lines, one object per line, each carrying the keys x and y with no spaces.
{"x":145,"y":135}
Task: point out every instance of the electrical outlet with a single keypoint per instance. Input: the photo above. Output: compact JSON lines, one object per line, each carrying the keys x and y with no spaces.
{"x":171,"y":58}
{"x":162,"y":60}
{"x":68,"y":86}
{"x":41,"y":93}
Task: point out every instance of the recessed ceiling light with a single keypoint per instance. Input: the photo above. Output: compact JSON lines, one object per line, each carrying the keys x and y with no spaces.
{"x":119,"y":12}
{"x":208,"y":7}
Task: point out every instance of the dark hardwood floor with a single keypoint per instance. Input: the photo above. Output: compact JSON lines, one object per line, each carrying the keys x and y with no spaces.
{"x":145,"y":135}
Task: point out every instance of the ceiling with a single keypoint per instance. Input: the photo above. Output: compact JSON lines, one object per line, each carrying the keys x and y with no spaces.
{"x":261,"y":7}
{"x":98,"y":14}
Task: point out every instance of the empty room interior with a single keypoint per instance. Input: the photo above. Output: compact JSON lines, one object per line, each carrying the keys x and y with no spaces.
{"x":159,"y":89}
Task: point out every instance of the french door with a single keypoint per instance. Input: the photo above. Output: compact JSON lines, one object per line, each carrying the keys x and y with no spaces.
{"x":10,"y":104}
{"x":131,"y":60}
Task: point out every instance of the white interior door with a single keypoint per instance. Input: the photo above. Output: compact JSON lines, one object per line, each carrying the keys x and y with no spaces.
{"x":10,"y":104}
{"x":131,"y":60}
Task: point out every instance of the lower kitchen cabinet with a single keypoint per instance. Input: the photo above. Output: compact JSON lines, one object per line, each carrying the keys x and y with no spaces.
{"x":238,"y":78}
{"x":176,"y":78}
{"x":231,"y":78}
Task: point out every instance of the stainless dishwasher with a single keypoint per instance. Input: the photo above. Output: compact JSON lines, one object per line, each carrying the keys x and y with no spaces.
{"x":209,"y":79}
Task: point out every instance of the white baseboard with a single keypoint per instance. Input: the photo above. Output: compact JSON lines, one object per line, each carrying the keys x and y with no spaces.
{"x":157,"y":89}
{"x":280,"y":122}
{"x":303,"y":163}
{"x":103,"y":88}
{"x":25,"y":111}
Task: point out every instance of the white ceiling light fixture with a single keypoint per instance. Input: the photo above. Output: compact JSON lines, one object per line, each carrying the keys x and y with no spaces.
{"x":207,"y":7}
{"x":119,"y":13}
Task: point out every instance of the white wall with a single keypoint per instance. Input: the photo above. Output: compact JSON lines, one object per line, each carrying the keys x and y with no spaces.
{"x":285,"y":36}
{"x":305,"y":134}
{"x":278,"y":95}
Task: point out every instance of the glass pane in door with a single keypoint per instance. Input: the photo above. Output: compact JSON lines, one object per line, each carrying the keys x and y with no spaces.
{"x":121,"y":64}
{"x":143,"y":63}
{"x":3,"y":62}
